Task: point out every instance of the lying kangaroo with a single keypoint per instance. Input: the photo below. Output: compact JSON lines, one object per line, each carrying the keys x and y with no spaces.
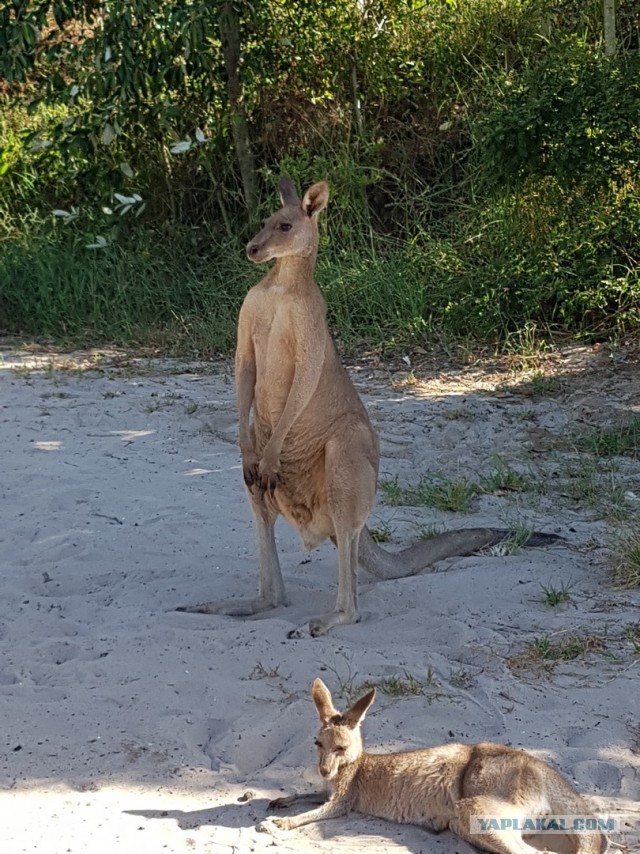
{"x":453,"y":786}
{"x":311,"y":453}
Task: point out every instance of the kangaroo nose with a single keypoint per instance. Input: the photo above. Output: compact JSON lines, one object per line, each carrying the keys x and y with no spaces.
{"x":252,"y":250}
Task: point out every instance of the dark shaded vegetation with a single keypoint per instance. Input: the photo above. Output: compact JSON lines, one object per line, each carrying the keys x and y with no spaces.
{"x":483,"y":157}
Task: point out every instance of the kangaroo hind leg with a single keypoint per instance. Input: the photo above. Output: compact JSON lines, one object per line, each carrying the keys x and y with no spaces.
{"x":497,"y":836}
{"x":270,"y":584}
{"x":350,"y":488}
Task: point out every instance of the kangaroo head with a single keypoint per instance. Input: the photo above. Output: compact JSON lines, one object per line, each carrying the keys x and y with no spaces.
{"x":293,"y":230}
{"x":339,"y":741}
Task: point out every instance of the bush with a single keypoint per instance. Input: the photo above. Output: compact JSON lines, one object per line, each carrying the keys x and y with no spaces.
{"x":572,"y":116}
{"x":483,"y":160}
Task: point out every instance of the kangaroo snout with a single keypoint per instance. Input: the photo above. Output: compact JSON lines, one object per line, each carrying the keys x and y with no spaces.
{"x":253,"y":251}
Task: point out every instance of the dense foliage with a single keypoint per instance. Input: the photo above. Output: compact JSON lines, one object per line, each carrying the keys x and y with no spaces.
{"x":483,"y":158}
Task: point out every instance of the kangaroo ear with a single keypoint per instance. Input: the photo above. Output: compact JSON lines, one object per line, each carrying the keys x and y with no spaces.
{"x":355,"y":715}
{"x":316,"y":198}
{"x":288,"y":195}
{"x":324,"y":704}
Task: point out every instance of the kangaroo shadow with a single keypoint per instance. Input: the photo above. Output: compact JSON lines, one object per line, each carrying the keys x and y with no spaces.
{"x":233,"y":815}
{"x":237,"y":815}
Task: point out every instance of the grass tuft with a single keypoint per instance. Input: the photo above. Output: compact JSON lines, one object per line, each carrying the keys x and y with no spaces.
{"x":503,"y":479}
{"x":428,"y":532}
{"x":633,"y":636}
{"x":554,"y":596}
{"x":617,"y":441}
{"x":626,"y":562}
{"x":433,"y":491}
{"x":596,"y":484}
{"x":407,"y":685}
{"x":381,"y":533}
{"x":516,"y":539}
{"x":543,"y":652}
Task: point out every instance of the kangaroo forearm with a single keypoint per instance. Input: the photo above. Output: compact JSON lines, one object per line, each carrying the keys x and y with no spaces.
{"x":290,"y":800}
{"x":245,"y":393}
{"x":300,"y":395}
{"x":244,"y":434}
{"x":332,"y":809}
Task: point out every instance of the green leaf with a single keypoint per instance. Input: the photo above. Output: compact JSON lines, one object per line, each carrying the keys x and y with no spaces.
{"x":108,"y":134}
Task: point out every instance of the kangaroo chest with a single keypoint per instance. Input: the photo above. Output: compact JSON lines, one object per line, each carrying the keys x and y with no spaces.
{"x":280,"y":343}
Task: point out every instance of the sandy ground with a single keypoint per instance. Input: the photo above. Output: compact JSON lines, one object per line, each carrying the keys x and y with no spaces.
{"x":130,"y":727}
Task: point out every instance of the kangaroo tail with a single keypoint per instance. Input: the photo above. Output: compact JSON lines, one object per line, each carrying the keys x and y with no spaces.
{"x":422,"y":555}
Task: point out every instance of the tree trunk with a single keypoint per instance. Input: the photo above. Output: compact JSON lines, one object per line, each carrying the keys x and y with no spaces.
{"x":230,"y":36}
{"x":610,"y":27}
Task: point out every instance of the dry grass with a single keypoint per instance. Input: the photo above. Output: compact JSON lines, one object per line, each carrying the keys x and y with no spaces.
{"x":626,"y":562}
{"x":544,"y":654}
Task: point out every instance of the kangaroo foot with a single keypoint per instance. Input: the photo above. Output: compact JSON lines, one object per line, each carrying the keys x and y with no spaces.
{"x":232,"y":608}
{"x":321,"y":625}
{"x":272,"y":825}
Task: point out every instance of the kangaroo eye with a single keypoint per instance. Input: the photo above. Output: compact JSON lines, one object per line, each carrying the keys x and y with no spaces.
{"x":340,"y":749}
{"x":285,"y":226}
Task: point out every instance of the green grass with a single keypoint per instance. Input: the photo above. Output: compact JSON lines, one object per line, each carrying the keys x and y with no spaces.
{"x":620,"y":440}
{"x":381,"y":533}
{"x":567,"y":649}
{"x":148,"y":295}
{"x":542,"y":385}
{"x":428,"y":532}
{"x":470,"y":220}
{"x":633,"y":636}
{"x":595,"y":484}
{"x":433,"y":491}
{"x":516,"y":539}
{"x":22,"y":372}
{"x":375,"y":296}
{"x":554,"y":596}
{"x":392,"y":492}
{"x":504,"y":478}
{"x":547,"y":653}
{"x":407,"y":685}
{"x":180,"y":289}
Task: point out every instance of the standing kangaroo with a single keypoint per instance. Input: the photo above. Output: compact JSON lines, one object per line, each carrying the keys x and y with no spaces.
{"x":311,"y":453}
{"x":438,"y":787}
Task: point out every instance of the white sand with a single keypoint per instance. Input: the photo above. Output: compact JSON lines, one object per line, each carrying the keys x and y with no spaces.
{"x":129,"y":727}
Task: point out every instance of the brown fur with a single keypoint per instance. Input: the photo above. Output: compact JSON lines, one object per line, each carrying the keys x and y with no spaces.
{"x":438,"y":787}
{"x":310,"y":453}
